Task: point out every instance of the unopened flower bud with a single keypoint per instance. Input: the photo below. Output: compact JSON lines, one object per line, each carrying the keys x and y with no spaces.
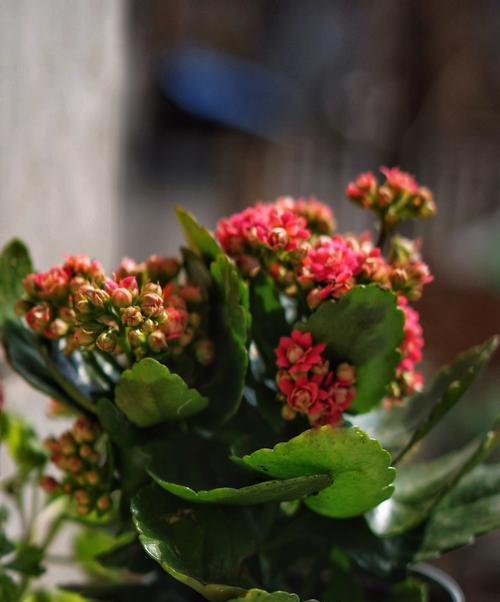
{"x":121,"y":297}
{"x":85,"y":431}
{"x":152,"y":287}
{"x":130,"y":283}
{"x":191,"y":294}
{"x":151,"y":304}
{"x":67,"y":444}
{"x":104,"y":502}
{"x":106,"y":341}
{"x":38,"y":317}
{"x":157,"y":341}
{"x":56,"y":329}
{"x":346,"y":373}
{"x":83,"y":337}
{"x":132,"y":316}
{"x":82,"y":497}
{"x":314,"y":298}
{"x":67,"y":488}
{"x":83,"y":306}
{"x":92,"y":477}
{"x":85,"y":451}
{"x":74,"y":464}
{"x":136,"y":338}
{"x":67,"y":314}
{"x":194,"y":320}
{"x":49,"y":484}
{"x":83,"y":510}
{"x":204,"y":351}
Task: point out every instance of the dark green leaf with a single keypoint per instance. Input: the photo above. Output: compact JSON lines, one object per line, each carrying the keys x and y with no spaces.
{"x":23,"y":352}
{"x":129,"y":556}
{"x":198,"y":237}
{"x":89,"y":544}
{"x":229,"y":328}
{"x":448,"y":387}
{"x":149,"y":393}
{"x":15,"y":265}
{"x":9,"y":591}
{"x":364,"y":327}
{"x":202,"y":546}
{"x":419,"y":487}
{"x":260,"y":493}
{"x":6,"y":546}
{"x":27,"y":561}
{"x":268,"y":318}
{"x":360,"y":468}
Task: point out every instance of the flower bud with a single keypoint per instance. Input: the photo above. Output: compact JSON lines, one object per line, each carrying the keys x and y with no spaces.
{"x":136,"y":338}
{"x":132,"y":316}
{"x":82,"y":497}
{"x":121,"y":297}
{"x":92,"y":477}
{"x":314,"y":298}
{"x":248,"y":265}
{"x":67,"y":444}
{"x":38,"y":317}
{"x":151,"y":304}
{"x":74,"y":464}
{"x":191,"y":294}
{"x":85,"y":451}
{"x":83,"y":510}
{"x":346,"y":373}
{"x":56,"y":329}
{"x":85,"y":430}
{"x":106,"y":341}
{"x":204,"y":351}
{"x":49,"y":484}
{"x":67,"y":314}
{"x":157,"y":341}
{"x":152,"y":287}
{"x":130,"y":283}
{"x":103,"y":503}
{"x":83,"y":337}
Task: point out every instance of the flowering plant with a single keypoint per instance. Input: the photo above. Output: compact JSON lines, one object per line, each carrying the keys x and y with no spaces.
{"x":237,"y":413}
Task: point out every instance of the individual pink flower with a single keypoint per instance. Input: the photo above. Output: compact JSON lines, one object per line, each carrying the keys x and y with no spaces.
{"x":360,"y":189}
{"x":319,"y":217}
{"x":298,"y":353}
{"x":398,"y":180}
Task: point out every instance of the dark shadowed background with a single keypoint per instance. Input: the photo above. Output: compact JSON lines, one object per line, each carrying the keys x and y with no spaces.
{"x":111,"y":113}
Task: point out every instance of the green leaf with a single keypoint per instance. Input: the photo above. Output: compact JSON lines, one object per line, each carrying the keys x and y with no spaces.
{"x":149,"y":393}
{"x":419,"y":487}
{"x":23,"y":353}
{"x":360,"y":468}
{"x":259,"y":595}
{"x":27,"y":561}
{"x":9,"y":591}
{"x":22,"y":442}
{"x":448,"y":387}
{"x":89,"y":544}
{"x":199,"y":238}
{"x":15,"y":265}
{"x":202,"y":546}
{"x":409,"y":590}
{"x":260,"y":493}
{"x":268,"y":318}
{"x":229,"y":329}
{"x":6,"y":546}
{"x":470,"y":509}
{"x":364,"y":327}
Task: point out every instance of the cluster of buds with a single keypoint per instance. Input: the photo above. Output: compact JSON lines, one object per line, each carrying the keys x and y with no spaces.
{"x":309,"y":384}
{"x":47,"y":303}
{"x":275,"y":235}
{"x":409,"y":273}
{"x":399,"y":197}
{"x":124,"y":314}
{"x":76,"y":453}
{"x":156,"y":268}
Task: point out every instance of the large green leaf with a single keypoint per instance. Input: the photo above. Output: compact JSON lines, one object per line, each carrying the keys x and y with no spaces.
{"x":360,"y":468}
{"x":419,"y":487}
{"x":15,"y":265}
{"x":229,"y":330}
{"x":260,"y":493}
{"x":149,"y":393}
{"x":268,"y":318}
{"x":58,"y":595}
{"x":199,"y":238}
{"x":202,"y":546}
{"x":448,"y":387}
{"x":364,"y":327}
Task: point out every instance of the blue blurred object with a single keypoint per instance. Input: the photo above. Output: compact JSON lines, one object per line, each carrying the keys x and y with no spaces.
{"x":227,"y":90}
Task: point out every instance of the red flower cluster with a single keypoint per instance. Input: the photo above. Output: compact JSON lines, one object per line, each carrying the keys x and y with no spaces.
{"x":409,"y":380}
{"x":76,"y":455}
{"x":308,"y":384}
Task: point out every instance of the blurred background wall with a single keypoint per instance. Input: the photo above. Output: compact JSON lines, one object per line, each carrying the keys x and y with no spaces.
{"x":112,"y":112}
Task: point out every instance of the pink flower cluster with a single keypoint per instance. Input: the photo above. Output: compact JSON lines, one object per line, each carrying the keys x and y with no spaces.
{"x":308,"y":384}
{"x":409,"y":380}
{"x":123,"y":314}
{"x":399,"y":197}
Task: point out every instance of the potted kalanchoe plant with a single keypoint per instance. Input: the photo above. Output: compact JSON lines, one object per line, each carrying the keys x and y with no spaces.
{"x":244,"y":415}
